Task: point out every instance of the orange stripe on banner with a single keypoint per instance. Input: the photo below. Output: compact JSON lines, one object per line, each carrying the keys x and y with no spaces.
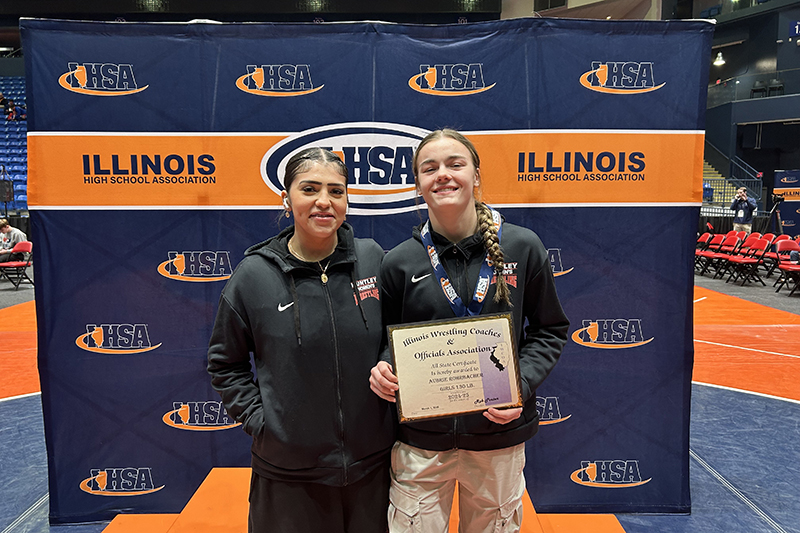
{"x":789,"y":193}
{"x":226,"y":170}
{"x":625,"y":167}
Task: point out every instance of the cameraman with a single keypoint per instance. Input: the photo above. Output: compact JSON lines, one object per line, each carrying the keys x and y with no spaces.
{"x":744,"y":208}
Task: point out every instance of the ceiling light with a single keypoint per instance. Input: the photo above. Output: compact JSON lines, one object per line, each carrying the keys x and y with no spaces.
{"x":719,"y":61}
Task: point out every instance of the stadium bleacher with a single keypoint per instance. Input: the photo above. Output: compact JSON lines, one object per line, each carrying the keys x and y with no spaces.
{"x":13,"y":146}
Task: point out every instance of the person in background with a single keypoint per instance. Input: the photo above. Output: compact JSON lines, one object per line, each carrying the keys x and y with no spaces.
{"x":10,"y":237}
{"x":306,"y":304}
{"x":743,"y":208}
{"x":16,"y":112}
{"x":484,"y":452}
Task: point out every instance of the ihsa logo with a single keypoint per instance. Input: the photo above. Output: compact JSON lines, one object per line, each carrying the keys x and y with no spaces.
{"x":377,"y":155}
{"x":620,"y":77}
{"x":100,"y":79}
{"x":119,"y":482}
{"x":116,"y":339}
{"x":610,"y":333}
{"x":617,"y":474}
{"x":556,"y":264}
{"x":456,"y":79}
{"x":277,"y":80}
{"x":199,"y":416}
{"x":197,"y":266}
{"x":549,"y":410}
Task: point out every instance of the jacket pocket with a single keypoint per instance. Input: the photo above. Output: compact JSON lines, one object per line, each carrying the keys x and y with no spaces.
{"x":404,"y":515}
{"x":254,"y":425}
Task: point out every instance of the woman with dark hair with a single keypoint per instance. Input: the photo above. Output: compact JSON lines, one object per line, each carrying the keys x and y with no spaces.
{"x":483,"y":452}
{"x":305,"y":304}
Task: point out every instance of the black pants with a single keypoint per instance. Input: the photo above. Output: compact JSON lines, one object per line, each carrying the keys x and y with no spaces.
{"x":301,"y":507}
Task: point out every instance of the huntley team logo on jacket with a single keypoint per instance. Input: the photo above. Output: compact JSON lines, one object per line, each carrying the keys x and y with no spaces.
{"x":100,"y":79}
{"x":197,"y":266}
{"x":199,"y":416}
{"x":277,"y":80}
{"x":611,"y":333}
{"x":450,"y":79}
{"x":116,"y":339}
{"x":119,"y":482}
{"x":368,"y":288}
{"x":556,"y":264}
{"x":509,"y":272}
{"x":616,"y":474}
{"x":549,"y":410}
{"x":377,"y":155}
{"x":620,"y":77}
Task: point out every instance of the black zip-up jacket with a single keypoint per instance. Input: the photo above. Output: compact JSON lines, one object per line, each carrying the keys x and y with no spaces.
{"x":310,"y":411}
{"x":409,"y":294}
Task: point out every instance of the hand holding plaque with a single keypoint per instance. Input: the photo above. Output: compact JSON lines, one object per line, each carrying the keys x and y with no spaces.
{"x":454,"y":367}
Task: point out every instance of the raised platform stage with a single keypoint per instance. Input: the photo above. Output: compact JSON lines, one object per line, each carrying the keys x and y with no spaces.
{"x":220,"y":506}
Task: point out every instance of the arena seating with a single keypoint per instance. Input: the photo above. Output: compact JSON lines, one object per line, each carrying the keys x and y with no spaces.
{"x":13,"y":144}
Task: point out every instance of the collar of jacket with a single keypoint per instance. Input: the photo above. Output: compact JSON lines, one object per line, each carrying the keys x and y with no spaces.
{"x":276,"y":249}
{"x":467,"y":247}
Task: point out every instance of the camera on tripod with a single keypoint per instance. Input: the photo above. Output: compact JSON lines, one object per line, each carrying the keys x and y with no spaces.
{"x":777,"y":198}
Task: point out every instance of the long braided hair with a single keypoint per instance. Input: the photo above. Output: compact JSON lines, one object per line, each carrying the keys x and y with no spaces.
{"x":485,"y":223}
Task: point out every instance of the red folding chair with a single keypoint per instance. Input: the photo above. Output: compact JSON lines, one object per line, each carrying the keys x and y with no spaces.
{"x":790,"y":272}
{"x":746,"y":265}
{"x":724,"y":263}
{"x":16,"y":271}
{"x":771,"y":258}
{"x":707,"y":249}
{"x":715,"y":258}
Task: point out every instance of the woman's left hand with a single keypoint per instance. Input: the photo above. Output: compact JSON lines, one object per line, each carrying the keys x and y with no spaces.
{"x":503,"y":416}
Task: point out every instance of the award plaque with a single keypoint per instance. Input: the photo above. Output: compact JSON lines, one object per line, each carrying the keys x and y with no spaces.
{"x":455,"y":366}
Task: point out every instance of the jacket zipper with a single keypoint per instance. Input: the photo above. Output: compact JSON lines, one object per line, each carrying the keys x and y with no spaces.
{"x":338,"y":378}
{"x":462,"y":282}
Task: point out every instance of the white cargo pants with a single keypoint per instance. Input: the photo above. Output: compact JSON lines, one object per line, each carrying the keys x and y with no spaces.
{"x":491,"y":486}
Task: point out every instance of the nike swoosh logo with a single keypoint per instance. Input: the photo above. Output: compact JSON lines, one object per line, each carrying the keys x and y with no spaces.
{"x":283,"y":308}
{"x":415,"y":279}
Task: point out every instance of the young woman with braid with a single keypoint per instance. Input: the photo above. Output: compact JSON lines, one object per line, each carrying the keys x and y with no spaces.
{"x":484,"y":452}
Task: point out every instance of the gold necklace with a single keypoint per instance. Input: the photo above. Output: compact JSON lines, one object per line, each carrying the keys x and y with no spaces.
{"x":323,"y":276}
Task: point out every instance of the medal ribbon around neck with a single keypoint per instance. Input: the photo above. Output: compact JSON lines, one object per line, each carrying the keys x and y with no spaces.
{"x":484,"y":277}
